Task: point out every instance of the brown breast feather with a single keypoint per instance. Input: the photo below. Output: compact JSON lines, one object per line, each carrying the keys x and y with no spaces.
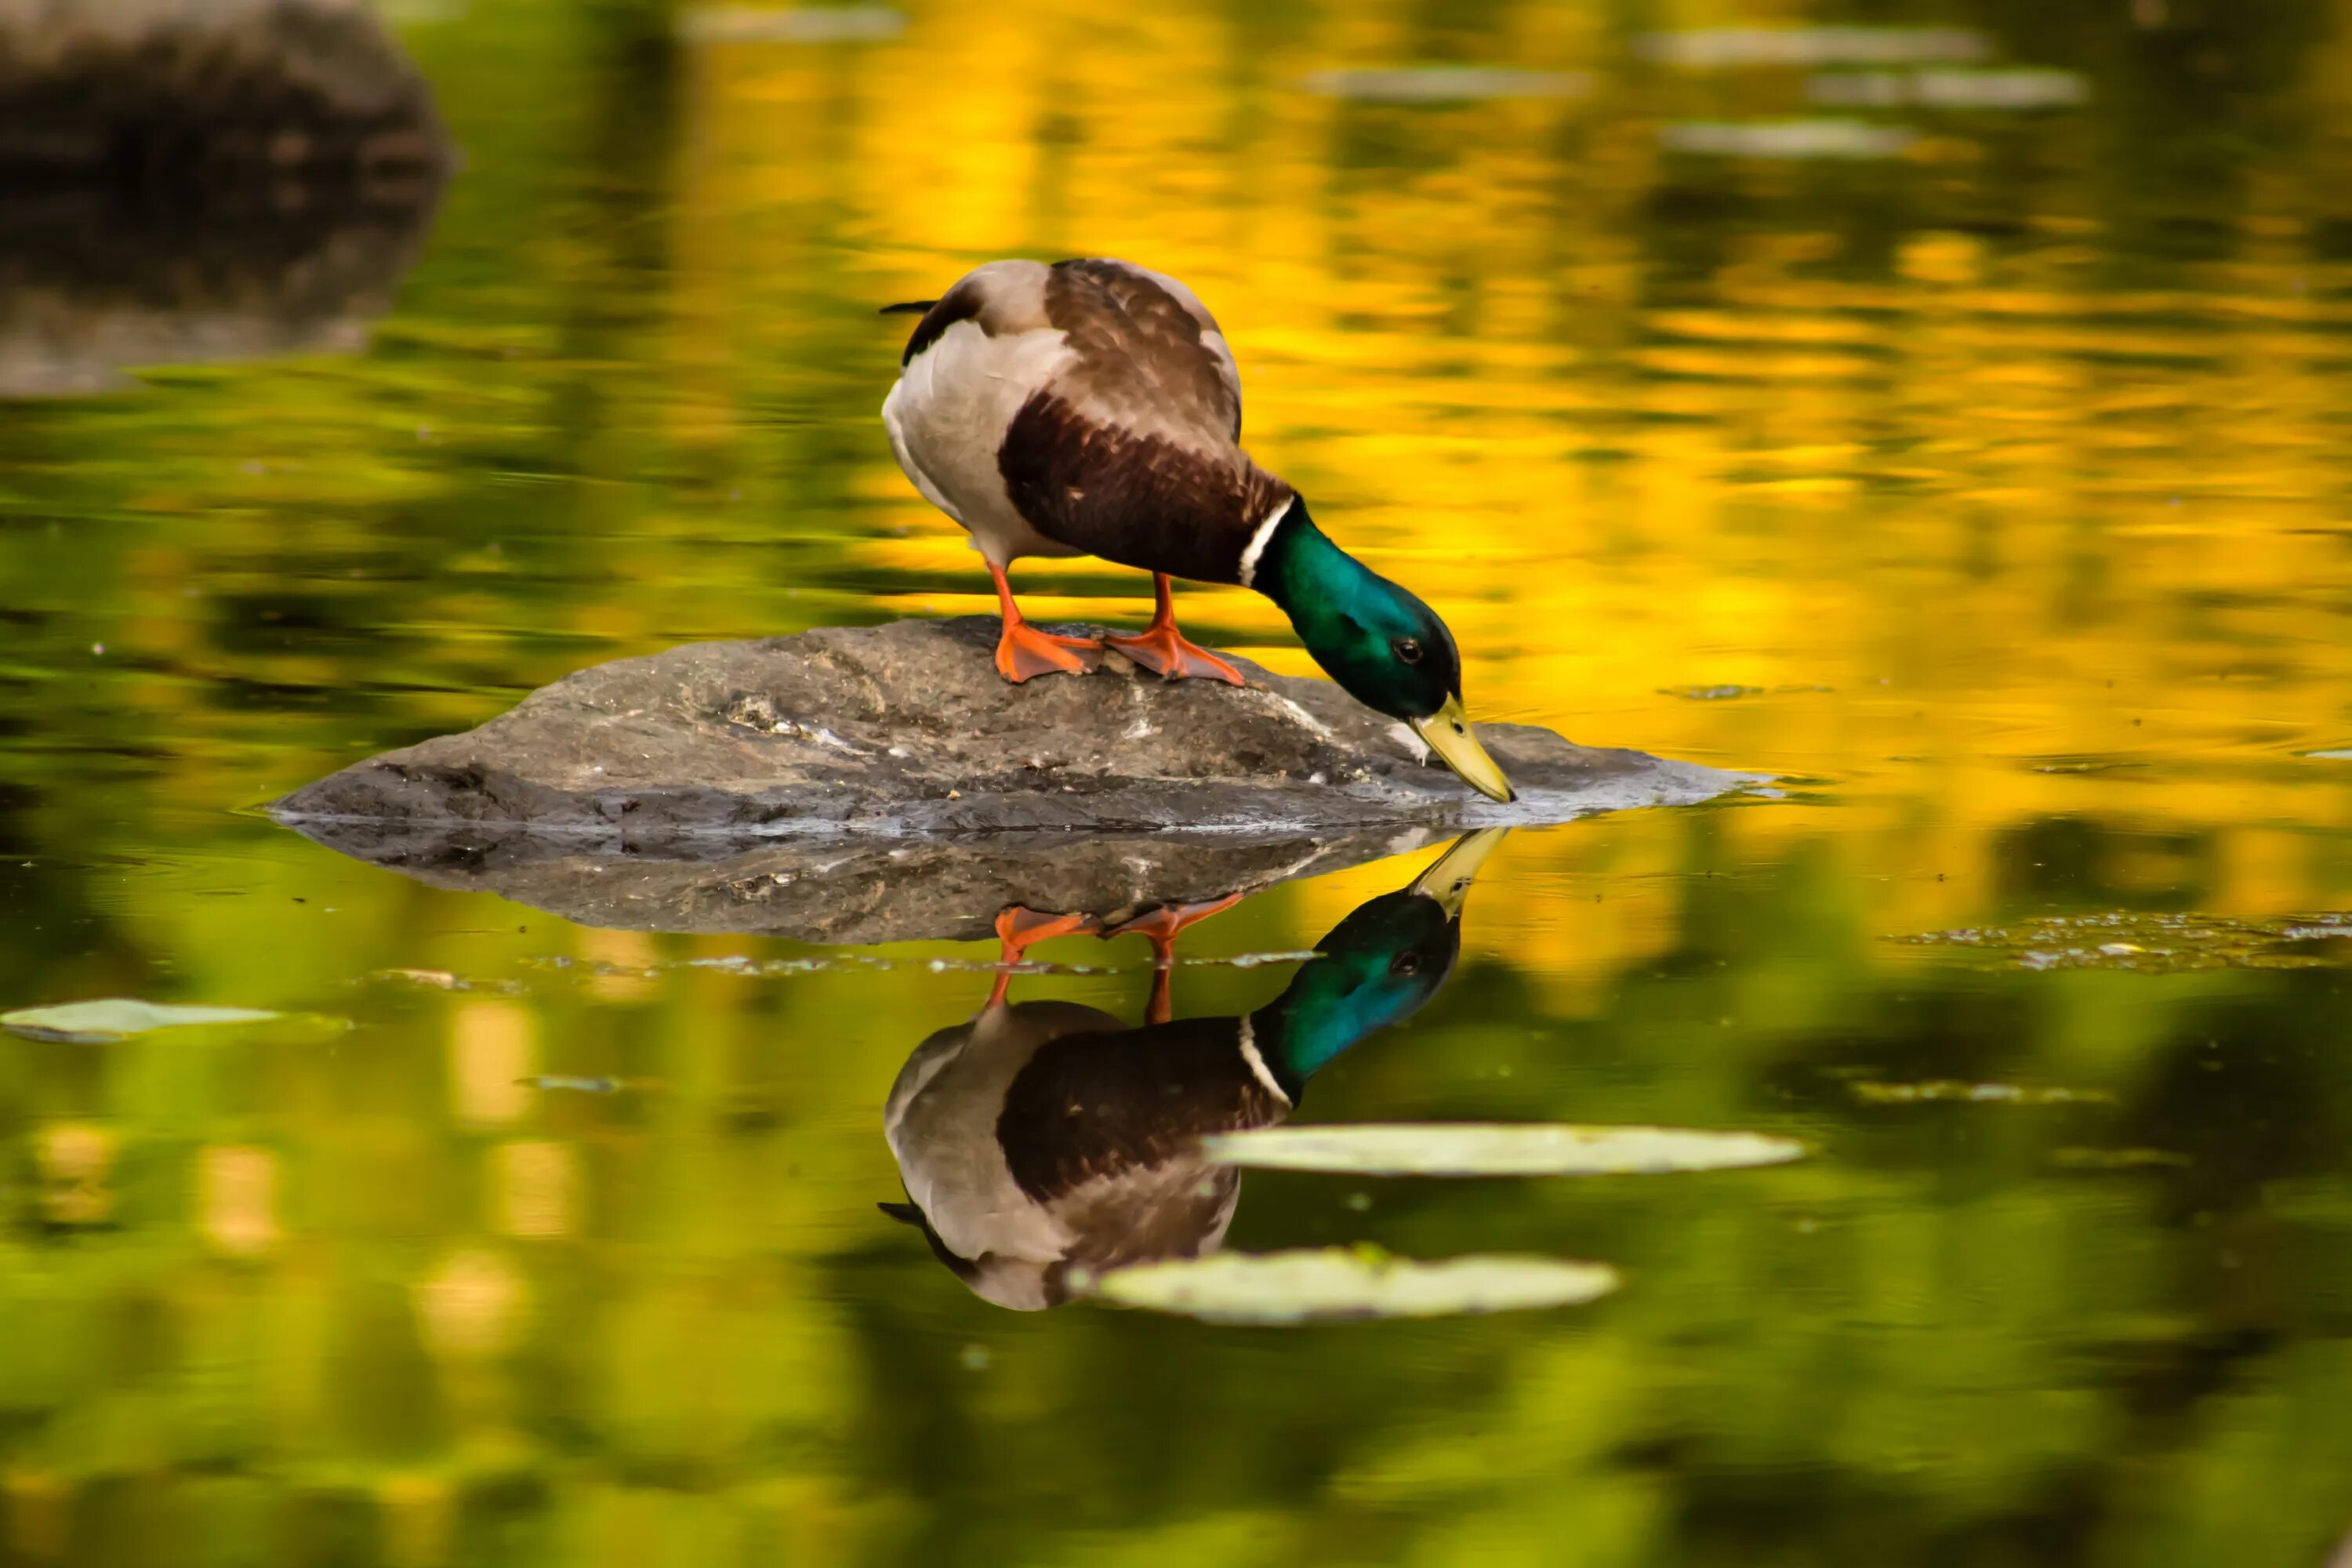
{"x":1130,"y":452}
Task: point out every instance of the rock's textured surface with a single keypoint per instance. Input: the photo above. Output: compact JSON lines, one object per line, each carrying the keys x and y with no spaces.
{"x":882,"y":784}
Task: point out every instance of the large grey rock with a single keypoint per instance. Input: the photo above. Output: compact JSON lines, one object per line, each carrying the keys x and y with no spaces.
{"x":882,"y":784}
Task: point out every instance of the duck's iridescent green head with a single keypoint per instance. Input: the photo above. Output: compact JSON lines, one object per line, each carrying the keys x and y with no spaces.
{"x":1383,"y":645}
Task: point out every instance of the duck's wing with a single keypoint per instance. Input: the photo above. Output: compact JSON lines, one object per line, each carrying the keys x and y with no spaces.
{"x":1146,"y":354}
{"x":1130,"y":449}
{"x":1103,"y":1129}
{"x":1143,"y":351}
{"x":1094,"y":1107}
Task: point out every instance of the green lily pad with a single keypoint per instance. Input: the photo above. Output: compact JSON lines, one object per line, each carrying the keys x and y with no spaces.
{"x":2144,"y":943}
{"x":118,"y":1018}
{"x":1337,"y":1283}
{"x":1871,"y":1093}
{"x":2117,"y":1159}
{"x":1497,"y":1149}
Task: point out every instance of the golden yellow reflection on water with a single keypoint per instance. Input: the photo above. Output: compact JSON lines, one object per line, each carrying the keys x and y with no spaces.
{"x":2001,"y":526}
{"x":1990,"y":493}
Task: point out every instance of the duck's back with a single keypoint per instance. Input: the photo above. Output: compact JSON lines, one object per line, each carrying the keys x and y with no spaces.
{"x":941,"y":1122}
{"x":1091,"y":408}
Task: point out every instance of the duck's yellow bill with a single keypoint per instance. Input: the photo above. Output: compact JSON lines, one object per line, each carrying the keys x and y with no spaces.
{"x":1448,"y":734}
{"x":1449,"y":877}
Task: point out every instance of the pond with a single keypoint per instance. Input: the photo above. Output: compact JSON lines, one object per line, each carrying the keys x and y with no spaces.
{"x":1942,"y":407}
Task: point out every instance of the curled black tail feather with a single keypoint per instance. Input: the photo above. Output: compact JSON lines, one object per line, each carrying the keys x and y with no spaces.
{"x":907,"y":308}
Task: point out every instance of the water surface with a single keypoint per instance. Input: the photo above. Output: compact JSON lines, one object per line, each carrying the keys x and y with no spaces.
{"x":1952,"y":421}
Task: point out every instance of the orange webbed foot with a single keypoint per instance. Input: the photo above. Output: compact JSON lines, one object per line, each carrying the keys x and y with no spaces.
{"x":1165,"y":652}
{"x":1025,"y":651}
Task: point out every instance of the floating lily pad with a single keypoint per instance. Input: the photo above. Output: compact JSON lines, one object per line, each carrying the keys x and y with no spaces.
{"x":2158,"y":944}
{"x":573,"y":1083}
{"x":1724,"y":693}
{"x":436,"y":979}
{"x":1977,"y":1093}
{"x":2015,"y":89}
{"x":577,"y":1083}
{"x":1716,"y":49}
{"x":1335,"y":1283}
{"x":2117,"y":1159}
{"x":118,"y":1018}
{"x":1489,"y":1148}
{"x":793,"y":25}
{"x":1786,"y":139}
{"x":2071,"y":765}
{"x":448,"y":980}
{"x":1445,"y":84}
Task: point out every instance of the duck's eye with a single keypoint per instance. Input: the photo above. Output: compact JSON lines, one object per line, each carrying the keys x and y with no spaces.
{"x":1407,"y":649}
{"x":1405,"y":963}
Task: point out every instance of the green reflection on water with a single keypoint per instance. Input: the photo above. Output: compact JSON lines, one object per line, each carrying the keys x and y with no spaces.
{"x":2008,"y":472}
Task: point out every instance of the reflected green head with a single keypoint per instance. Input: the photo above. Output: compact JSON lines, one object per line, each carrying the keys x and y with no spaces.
{"x":1378,"y":968}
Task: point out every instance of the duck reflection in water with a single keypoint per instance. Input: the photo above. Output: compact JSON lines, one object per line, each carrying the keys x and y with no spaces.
{"x":1046,"y":1136}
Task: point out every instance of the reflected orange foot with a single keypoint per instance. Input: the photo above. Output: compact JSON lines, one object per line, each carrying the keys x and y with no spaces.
{"x":1162,"y":925}
{"x":1019,"y":929}
{"x":1024,"y":651}
{"x":1164,"y":650}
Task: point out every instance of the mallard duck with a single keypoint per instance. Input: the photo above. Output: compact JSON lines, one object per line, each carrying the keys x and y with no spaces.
{"x":1091,"y":408}
{"x":1043,"y":1136}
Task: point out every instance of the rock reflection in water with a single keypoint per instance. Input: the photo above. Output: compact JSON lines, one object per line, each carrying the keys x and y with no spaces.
{"x":94,"y":282}
{"x":1045,"y":1136}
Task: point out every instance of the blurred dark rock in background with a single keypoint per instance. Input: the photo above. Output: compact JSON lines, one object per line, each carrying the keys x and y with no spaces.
{"x":202,"y":180}
{"x":198,"y":88}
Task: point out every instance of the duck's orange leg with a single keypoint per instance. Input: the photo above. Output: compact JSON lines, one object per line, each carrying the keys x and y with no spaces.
{"x":1018,"y":929}
{"x":1024,"y":650}
{"x":1163,"y":651}
{"x":1160,"y":927}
